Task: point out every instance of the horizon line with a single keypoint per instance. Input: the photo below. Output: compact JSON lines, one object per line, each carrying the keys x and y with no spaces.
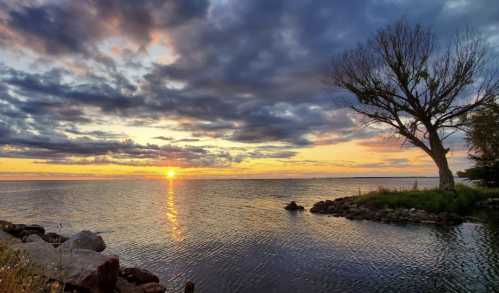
{"x":209,"y":179}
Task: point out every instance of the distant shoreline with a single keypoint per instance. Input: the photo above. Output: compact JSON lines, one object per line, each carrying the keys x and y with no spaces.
{"x":214,"y":179}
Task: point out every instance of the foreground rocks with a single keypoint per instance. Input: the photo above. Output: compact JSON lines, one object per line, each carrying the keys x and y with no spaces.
{"x":349,"y":208}
{"x":138,"y":276}
{"x":76,"y":262}
{"x":85,"y":240}
{"x":292,"y":206}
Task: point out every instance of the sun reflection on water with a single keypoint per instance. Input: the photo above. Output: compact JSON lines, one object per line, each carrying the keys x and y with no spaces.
{"x":171,"y":212}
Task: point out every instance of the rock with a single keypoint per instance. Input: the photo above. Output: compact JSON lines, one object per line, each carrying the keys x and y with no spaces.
{"x":189,"y":287}
{"x":138,"y":276}
{"x":153,"y":288}
{"x":15,"y":229}
{"x":79,"y":268}
{"x":123,"y":286}
{"x":489,"y":203}
{"x":54,"y":239}
{"x":292,"y":206}
{"x":8,"y":238}
{"x":351,"y":209}
{"x":34,"y":229}
{"x":21,"y":230}
{"x":32,"y":238}
{"x":90,"y":270}
{"x":27,"y":230}
{"x":84,"y":240}
{"x":5,"y":225}
{"x":41,"y":253}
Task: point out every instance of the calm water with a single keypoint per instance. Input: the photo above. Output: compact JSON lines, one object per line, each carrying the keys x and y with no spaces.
{"x":234,"y":235}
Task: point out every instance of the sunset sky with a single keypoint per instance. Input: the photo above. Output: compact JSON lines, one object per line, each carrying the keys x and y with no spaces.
{"x":212,"y":89}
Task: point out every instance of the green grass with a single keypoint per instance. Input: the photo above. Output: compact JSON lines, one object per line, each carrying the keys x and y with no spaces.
{"x":431,"y":200}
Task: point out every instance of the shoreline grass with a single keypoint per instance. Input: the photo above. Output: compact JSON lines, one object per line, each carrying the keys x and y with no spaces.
{"x":18,"y":274}
{"x":431,"y":200}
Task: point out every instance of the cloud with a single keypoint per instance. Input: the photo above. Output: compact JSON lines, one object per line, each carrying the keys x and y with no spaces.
{"x":247,"y":72}
{"x":75,"y":27}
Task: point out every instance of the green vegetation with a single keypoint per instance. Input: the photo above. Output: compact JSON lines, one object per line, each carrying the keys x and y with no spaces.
{"x":18,"y":275}
{"x":431,"y":200}
{"x":483,"y":137}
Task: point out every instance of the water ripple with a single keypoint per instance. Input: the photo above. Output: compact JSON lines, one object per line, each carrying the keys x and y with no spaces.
{"x":234,"y":236}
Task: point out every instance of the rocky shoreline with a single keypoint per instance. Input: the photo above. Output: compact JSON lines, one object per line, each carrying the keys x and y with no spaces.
{"x":349,"y":208}
{"x":77,"y":263}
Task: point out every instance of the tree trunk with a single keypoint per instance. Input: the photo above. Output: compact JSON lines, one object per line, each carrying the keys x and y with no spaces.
{"x":439,"y":156}
{"x":445,"y":174}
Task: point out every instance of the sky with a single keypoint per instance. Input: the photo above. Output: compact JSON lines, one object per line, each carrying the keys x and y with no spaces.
{"x":212,"y":89}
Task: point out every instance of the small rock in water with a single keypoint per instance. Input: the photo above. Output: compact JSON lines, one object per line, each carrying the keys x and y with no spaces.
{"x":292,"y":206}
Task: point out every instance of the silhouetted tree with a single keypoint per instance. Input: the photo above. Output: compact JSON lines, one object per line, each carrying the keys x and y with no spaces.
{"x":403,"y":79}
{"x":483,"y":136}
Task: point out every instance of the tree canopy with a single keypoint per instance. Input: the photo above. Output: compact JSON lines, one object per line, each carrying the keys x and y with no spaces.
{"x":483,"y":137}
{"x":405,"y":78}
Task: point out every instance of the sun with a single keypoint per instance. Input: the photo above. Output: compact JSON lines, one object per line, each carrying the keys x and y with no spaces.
{"x":170,"y":173}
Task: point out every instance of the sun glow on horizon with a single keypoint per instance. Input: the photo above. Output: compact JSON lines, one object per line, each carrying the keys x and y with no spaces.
{"x":170,"y":174}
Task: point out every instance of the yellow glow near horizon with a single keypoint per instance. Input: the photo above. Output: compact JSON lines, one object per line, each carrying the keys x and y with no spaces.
{"x":342,"y":159}
{"x":170,"y":173}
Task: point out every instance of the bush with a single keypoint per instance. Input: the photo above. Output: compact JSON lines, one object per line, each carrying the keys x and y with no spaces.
{"x":431,"y":200}
{"x":486,"y":175}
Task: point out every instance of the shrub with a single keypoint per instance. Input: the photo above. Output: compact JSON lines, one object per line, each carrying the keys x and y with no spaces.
{"x":431,"y":200}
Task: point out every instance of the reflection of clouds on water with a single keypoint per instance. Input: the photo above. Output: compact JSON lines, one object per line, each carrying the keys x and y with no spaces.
{"x":171,"y":212}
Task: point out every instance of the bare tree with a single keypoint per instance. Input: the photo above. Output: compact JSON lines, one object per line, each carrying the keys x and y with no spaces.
{"x":404,"y":79}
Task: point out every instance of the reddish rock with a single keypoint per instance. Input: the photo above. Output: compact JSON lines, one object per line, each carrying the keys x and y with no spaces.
{"x":101,"y":278}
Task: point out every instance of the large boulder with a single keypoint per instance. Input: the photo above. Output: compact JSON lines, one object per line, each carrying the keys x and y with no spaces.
{"x":84,"y":240}
{"x":138,"y":276}
{"x":87,"y":269}
{"x":8,"y":238}
{"x":79,"y":268}
{"x":42,"y":254}
{"x":32,"y":238}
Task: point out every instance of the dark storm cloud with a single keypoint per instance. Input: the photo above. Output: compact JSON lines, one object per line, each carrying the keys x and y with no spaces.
{"x":70,"y":27}
{"x":250,"y":71}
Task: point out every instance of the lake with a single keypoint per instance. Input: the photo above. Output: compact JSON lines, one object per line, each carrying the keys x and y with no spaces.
{"x":235,"y":236}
